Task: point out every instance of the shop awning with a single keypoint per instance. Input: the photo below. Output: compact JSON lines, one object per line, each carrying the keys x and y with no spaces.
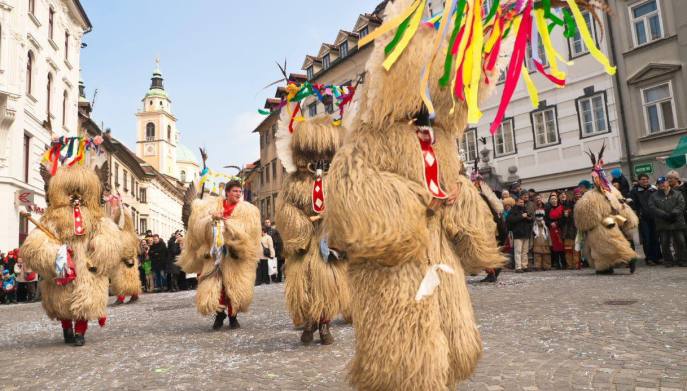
{"x":678,"y":157}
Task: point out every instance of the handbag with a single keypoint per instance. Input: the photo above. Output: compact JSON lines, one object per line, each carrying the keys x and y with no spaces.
{"x":272,"y":266}
{"x":265,"y":251}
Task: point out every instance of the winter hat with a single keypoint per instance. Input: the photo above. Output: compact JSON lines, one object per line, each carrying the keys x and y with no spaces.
{"x":616,"y":173}
{"x":585,"y":183}
{"x":660,"y":180}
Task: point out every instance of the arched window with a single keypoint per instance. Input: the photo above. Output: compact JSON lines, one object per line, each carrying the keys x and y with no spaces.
{"x":182,"y":176}
{"x":150,"y":131}
{"x":169,"y":133}
{"x":29,"y":72}
{"x":64,"y":108}
{"x":48,"y":93}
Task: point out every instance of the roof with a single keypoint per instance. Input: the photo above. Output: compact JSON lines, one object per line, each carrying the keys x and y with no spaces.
{"x":184,"y":154}
{"x":82,"y":12}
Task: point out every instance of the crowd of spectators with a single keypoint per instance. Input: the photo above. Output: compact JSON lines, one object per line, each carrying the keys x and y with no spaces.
{"x":19,"y":283}
{"x":157,"y":264}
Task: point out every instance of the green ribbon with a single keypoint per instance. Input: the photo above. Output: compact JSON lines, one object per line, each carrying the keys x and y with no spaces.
{"x":492,"y":11}
{"x":448,"y":63}
{"x":264,"y":112}
{"x":399,"y":35}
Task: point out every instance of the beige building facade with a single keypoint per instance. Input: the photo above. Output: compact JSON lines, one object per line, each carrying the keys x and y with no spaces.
{"x":649,"y":42}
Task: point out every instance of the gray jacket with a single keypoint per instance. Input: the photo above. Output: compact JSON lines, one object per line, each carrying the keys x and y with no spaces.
{"x":668,"y":210}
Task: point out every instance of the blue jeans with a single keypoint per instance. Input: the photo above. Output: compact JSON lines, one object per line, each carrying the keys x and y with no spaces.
{"x":160,"y":279}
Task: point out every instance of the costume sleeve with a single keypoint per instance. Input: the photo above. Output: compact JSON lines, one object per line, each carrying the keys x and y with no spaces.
{"x":106,"y":247}
{"x":297,"y":230}
{"x":39,"y":253}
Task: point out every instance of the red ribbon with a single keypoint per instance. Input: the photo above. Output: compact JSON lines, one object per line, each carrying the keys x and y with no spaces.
{"x":78,"y":222}
{"x":318,"y":195}
{"x":293,"y":116}
{"x":554,"y":79}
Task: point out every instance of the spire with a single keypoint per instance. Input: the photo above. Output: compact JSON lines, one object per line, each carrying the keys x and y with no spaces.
{"x":156,"y":80}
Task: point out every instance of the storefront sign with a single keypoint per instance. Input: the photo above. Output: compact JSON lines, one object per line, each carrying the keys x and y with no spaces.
{"x":26,"y":198}
{"x":646,"y":168}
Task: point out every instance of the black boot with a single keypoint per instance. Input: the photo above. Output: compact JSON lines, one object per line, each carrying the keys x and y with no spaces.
{"x":219,"y":319}
{"x":79,"y":340}
{"x":605,"y":272}
{"x":633,"y":266}
{"x":489,"y":278}
{"x":307,"y":335}
{"x":68,"y":336}
{"x":234,"y":323}
{"x":326,"y":337}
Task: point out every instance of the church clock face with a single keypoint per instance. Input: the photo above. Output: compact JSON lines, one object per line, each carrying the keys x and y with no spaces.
{"x":149,"y":150}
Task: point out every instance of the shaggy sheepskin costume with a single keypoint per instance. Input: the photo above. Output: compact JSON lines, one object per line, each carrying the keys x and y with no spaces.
{"x":605,"y":221}
{"x":382,"y":215}
{"x":74,"y":202}
{"x":225,"y":261}
{"x":316,"y":288}
{"x":125,"y":280}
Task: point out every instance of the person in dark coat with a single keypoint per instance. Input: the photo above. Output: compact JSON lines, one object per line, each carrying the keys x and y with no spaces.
{"x":520,"y":224}
{"x":640,"y":195}
{"x":278,"y":249}
{"x":159,"y":257}
{"x":668,"y":208}
{"x":172,"y":270}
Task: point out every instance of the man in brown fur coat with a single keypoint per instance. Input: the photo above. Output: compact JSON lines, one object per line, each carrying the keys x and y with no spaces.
{"x":316,"y":282}
{"x":222,"y":248}
{"x":382,"y":213}
{"x":74,"y":225}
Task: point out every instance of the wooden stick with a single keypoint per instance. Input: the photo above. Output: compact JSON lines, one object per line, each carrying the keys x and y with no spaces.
{"x":40,"y":226}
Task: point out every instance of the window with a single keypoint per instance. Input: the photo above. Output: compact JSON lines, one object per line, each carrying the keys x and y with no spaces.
{"x":150,"y":131}
{"x":312,"y":109}
{"x":267,"y":137}
{"x":310,"y":72}
{"x":116,"y":174}
{"x":646,"y":22}
{"x":132,"y":185}
{"x":182,"y":176}
{"x":274,"y":169}
{"x":64,"y":108}
{"x":32,"y":7}
{"x":143,"y":196}
{"x":577,"y":46}
{"x":502,"y":77}
{"x":325,"y":61}
{"x":169,"y":133}
{"x":66,"y":45}
{"x":274,"y":131}
{"x":51,"y":22}
{"x":469,"y":145}
{"x":267,"y":173}
{"x":363,"y":32}
{"x":545,"y":127}
{"x":144,"y":225}
{"x":591,"y":111}
{"x":262,"y":177}
{"x":542,"y":56}
{"x":504,"y":139}
{"x":48,"y":93}
{"x":29,"y":72}
{"x":343,"y":50}
{"x":27,"y":156}
{"x":126,"y":188}
{"x":329,"y":108}
{"x":658,"y":108}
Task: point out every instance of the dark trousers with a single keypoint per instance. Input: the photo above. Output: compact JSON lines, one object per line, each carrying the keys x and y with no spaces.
{"x":262,"y":273}
{"x":558,"y":259}
{"x":677,"y":239}
{"x":160,"y":280}
{"x":173,"y":282}
{"x":650,"y":243}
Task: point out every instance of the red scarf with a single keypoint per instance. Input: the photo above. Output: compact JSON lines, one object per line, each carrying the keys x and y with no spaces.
{"x":228,"y":208}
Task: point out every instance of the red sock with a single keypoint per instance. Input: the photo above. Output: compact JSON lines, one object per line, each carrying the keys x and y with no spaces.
{"x":80,"y":327}
{"x":120,"y":299}
{"x":66,"y":324}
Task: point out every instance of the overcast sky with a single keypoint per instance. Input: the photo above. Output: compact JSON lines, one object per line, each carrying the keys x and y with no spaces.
{"x":215,"y":57}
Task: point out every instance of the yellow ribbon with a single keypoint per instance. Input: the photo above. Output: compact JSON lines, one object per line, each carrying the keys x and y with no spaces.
{"x":461,"y":52}
{"x":388,"y":26}
{"x":424,"y":83}
{"x":472,"y":95}
{"x":551,"y":52}
{"x":531,"y":88}
{"x":588,"y":40}
{"x":410,"y":32}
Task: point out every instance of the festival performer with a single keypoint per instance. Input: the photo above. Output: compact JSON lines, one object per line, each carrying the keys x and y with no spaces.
{"x":410,"y":225}
{"x":125,"y":279}
{"x":74,"y":248}
{"x":496,"y":208}
{"x":221,"y":246}
{"x":316,"y":281}
{"x":604,"y":221}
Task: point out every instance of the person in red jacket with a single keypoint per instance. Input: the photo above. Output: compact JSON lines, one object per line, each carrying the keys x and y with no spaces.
{"x":554,"y":216}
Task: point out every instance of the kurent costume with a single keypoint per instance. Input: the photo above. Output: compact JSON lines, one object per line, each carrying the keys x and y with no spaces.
{"x":223,"y":252}
{"x":316,"y":281}
{"x":125,"y":280}
{"x":396,"y":203}
{"x":604,"y":221}
{"x":75,"y":249}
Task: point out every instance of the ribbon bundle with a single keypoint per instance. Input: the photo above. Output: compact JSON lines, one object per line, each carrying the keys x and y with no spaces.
{"x":213,"y":177}
{"x":70,"y":151}
{"x":475,"y":44}
{"x":325,"y":94}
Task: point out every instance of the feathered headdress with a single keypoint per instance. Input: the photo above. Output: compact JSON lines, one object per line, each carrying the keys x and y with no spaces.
{"x":599,"y":178}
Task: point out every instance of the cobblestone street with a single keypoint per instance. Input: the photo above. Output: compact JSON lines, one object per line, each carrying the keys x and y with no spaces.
{"x":541,"y":331}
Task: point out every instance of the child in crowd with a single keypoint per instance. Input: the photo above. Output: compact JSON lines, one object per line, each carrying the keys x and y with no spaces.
{"x":9,"y":287}
{"x":541,"y":242}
